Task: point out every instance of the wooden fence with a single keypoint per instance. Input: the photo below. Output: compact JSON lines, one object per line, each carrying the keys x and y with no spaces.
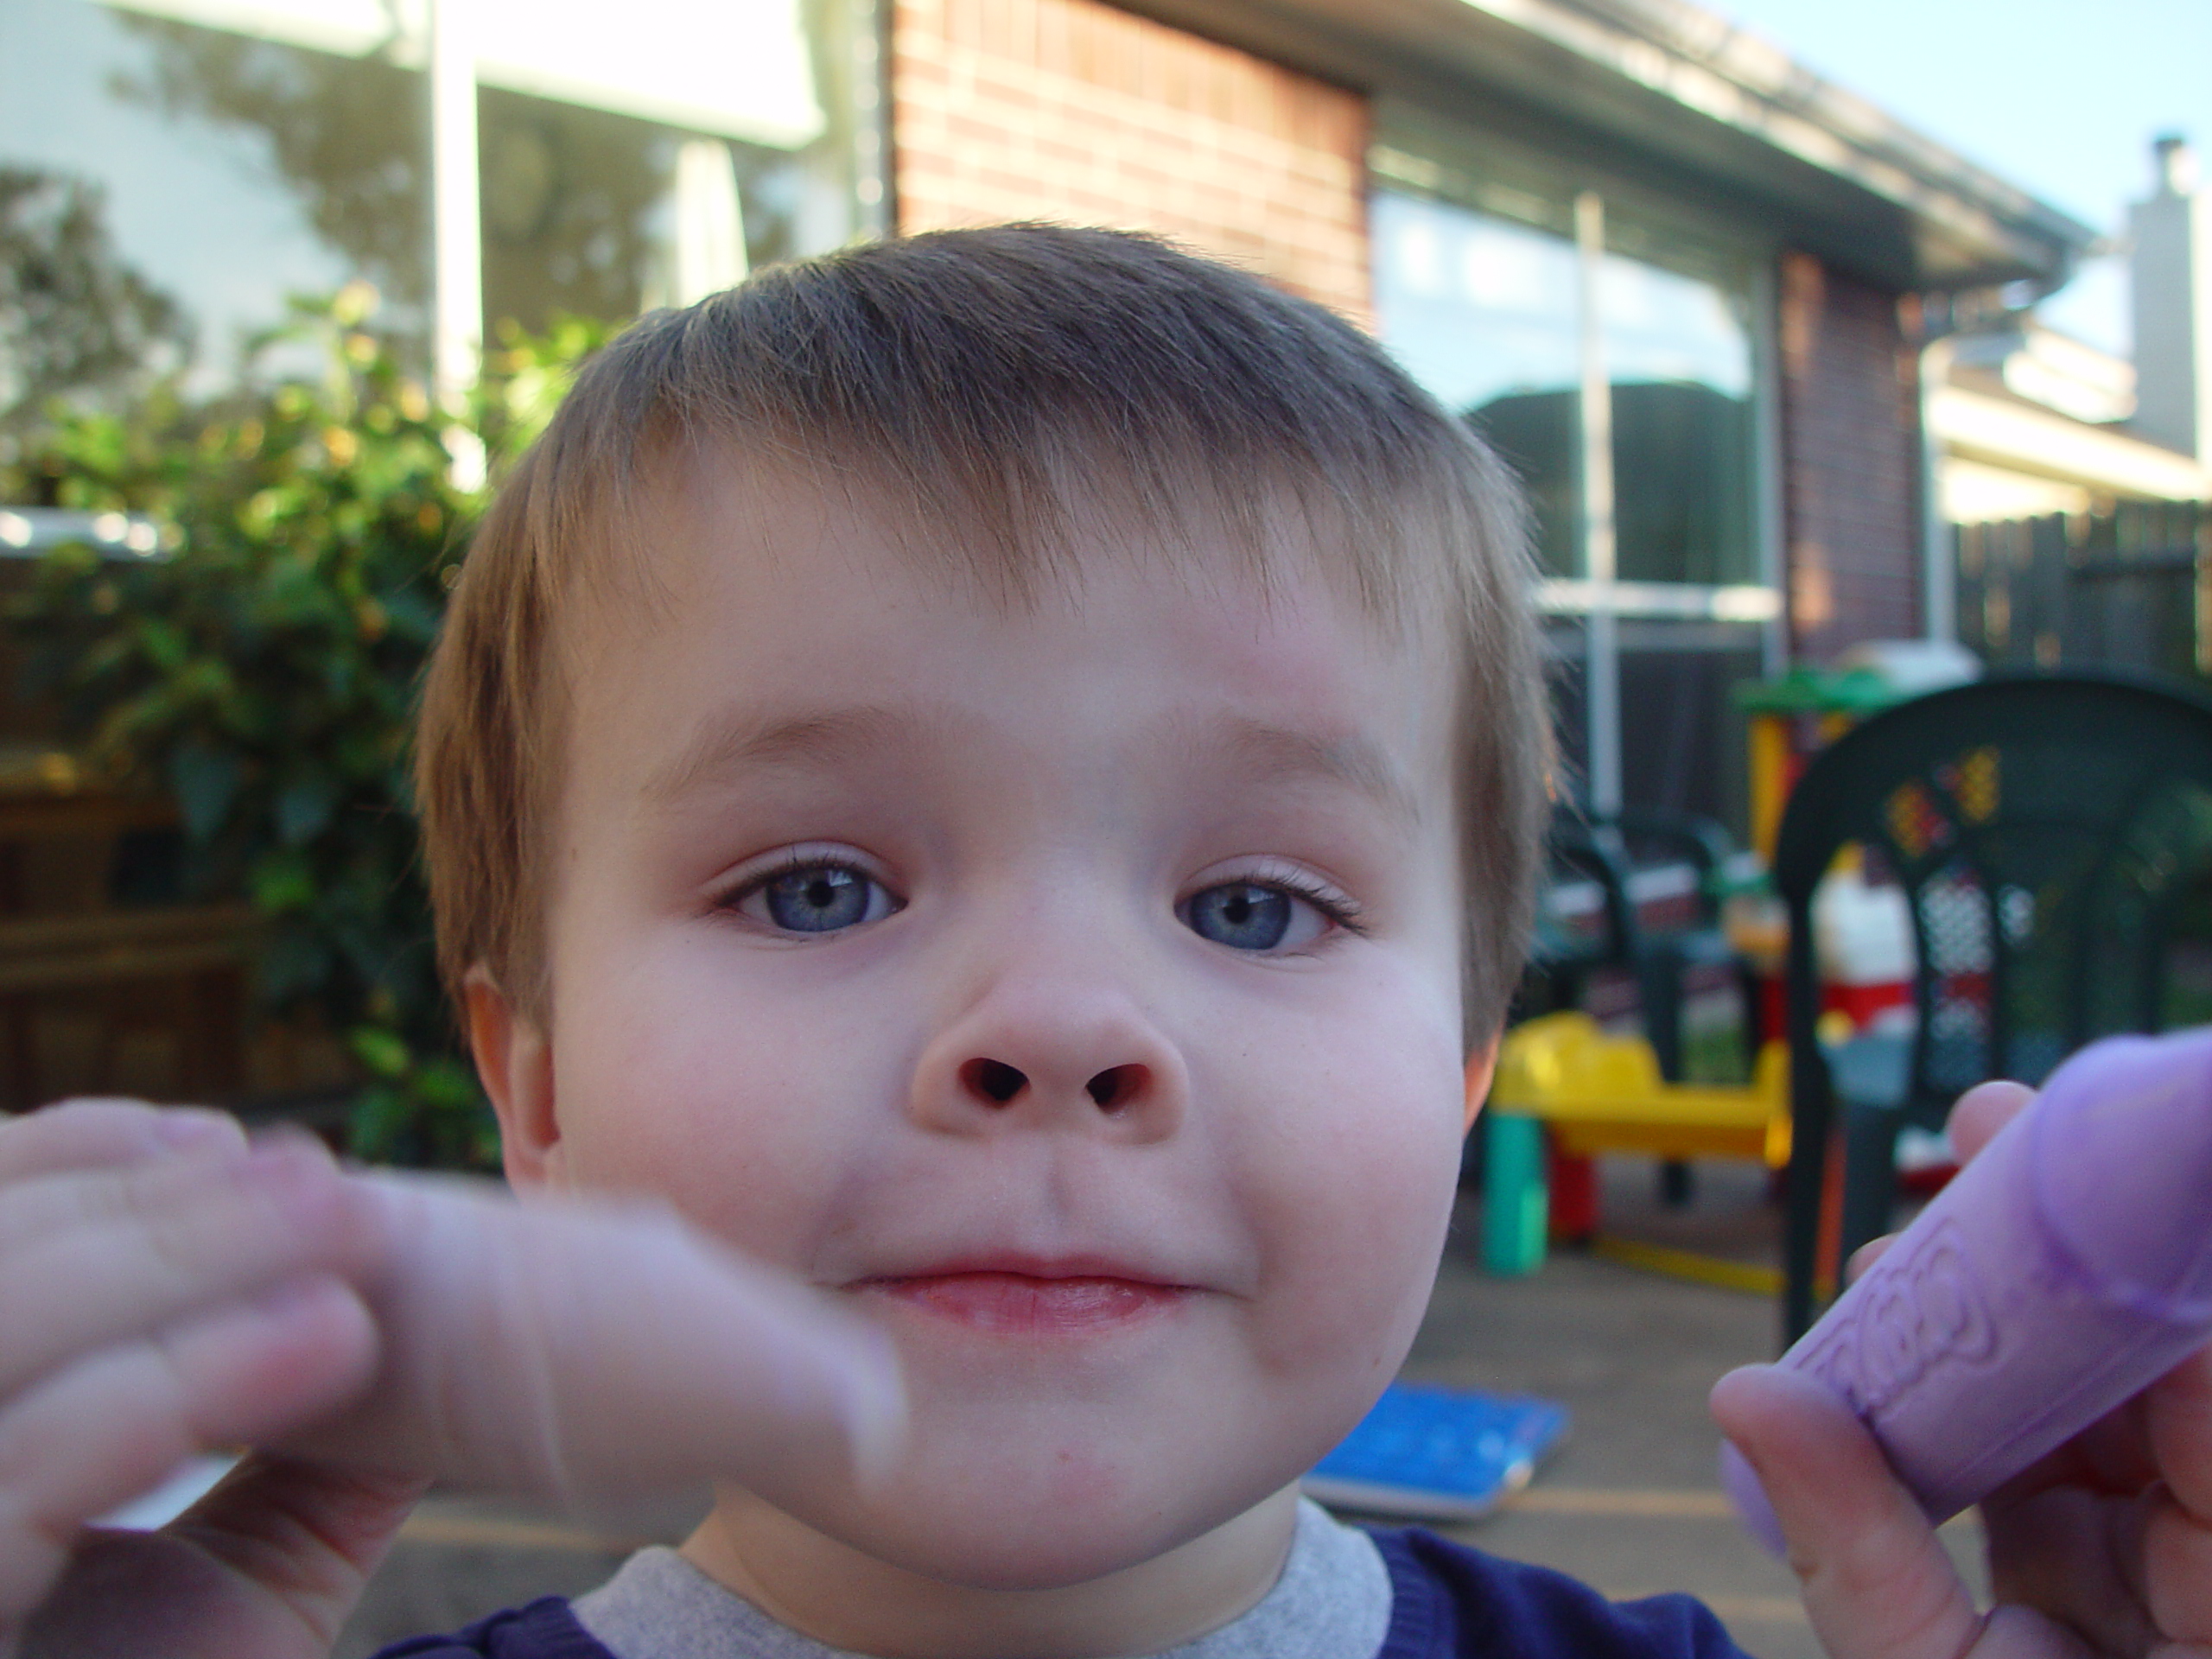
{"x":2131,"y":588}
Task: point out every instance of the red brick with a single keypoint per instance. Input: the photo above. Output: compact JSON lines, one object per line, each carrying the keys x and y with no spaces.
{"x":1074,"y":109}
{"x":1850,"y":445}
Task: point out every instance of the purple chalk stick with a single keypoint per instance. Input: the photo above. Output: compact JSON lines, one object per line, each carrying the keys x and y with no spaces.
{"x":2063,"y":1270}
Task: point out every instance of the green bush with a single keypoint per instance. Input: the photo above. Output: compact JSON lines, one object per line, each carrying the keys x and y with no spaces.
{"x":264,"y":673}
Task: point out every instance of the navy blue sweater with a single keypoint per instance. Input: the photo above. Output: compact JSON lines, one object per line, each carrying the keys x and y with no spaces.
{"x":1446,"y":1602}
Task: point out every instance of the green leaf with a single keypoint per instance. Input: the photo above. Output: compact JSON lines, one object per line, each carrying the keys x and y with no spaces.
{"x":445,"y":1084}
{"x":164,"y":643}
{"x":379,"y":1122}
{"x":381,"y":1050}
{"x":264,"y":672}
{"x":283,"y":883}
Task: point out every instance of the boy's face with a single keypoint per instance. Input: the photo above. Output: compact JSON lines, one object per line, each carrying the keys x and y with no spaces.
{"x":1072,"y":990}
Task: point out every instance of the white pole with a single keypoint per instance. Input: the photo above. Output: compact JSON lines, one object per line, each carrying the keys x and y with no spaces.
{"x":457,"y":248}
{"x":1771,"y":484}
{"x":1939,"y":595}
{"x":1601,"y":685}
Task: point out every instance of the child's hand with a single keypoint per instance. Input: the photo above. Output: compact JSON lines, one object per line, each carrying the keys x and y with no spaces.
{"x":2104,"y":1546}
{"x":166,"y":1290}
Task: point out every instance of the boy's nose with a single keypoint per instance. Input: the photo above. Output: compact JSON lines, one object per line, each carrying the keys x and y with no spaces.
{"x":1039,"y":1055}
{"x":1002,"y":1084}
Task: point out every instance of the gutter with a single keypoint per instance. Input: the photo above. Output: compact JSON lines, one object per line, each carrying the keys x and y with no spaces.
{"x":1706,"y":64}
{"x":1981,"y":427}
{"x":1679,"y":98}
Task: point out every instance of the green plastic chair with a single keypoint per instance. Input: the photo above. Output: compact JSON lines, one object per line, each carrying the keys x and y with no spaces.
{"x":2045,"y":830}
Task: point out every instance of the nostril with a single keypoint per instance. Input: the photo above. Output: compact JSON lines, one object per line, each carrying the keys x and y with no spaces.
{"x":1116,"y":1087}
{"x":995,"y":1080}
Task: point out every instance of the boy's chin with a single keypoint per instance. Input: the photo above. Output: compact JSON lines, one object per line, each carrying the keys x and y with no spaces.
{"x":1064,"y":1517}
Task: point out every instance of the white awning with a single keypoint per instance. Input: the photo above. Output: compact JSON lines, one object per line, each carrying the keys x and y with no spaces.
{"x":2021,"y":437}
{"x":734,"y":68}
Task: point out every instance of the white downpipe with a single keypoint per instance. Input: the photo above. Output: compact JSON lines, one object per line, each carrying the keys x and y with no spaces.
{"x":1939,"y":588}
{"x":457,"y":245}
{"x":1601,"y":685}
{"x":1772,"y":485}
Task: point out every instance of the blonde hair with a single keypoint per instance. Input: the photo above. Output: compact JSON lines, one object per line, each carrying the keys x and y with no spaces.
{"x":996,"y":386}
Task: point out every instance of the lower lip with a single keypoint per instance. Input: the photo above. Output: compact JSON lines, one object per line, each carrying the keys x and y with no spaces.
{"x":1019,"y":1303}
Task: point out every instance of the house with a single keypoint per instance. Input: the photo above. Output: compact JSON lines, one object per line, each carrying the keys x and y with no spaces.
{"x":1683,"y":283}
{"x":2031,"y":422}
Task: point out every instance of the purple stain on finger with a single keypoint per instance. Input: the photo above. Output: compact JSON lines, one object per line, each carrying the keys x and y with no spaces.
{"x":2063,"y":1270}
{"x":1741,"y":1483}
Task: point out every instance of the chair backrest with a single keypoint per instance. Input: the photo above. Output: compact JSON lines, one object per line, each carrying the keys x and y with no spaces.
{"x":2043,"y":830}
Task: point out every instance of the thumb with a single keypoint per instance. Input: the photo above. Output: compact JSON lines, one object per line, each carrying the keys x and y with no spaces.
{"x":272,"y":1561}
{"x":309,"y":1535}
{"x":1877,"y":1583}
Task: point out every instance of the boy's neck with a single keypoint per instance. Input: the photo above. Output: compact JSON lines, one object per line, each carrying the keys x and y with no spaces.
{"x":833,"y":1593}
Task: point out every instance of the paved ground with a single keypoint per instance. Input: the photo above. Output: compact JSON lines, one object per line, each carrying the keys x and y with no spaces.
{"x":1629,"y":1504}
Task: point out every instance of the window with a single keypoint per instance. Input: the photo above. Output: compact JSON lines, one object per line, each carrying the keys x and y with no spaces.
{"x":1677,"y":350}
{"x":189,"y":165}
{"x":1561,"y":317}
{"x":1483,"y":312}
{"x":206,"y":174}
{"x":1486,"y":313}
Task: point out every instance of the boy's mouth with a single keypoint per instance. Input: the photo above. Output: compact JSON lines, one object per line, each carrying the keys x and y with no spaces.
{"x":1029,"y":1302}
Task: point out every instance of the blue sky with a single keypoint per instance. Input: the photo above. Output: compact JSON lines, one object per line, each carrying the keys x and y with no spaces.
{"x":2059,"y":97}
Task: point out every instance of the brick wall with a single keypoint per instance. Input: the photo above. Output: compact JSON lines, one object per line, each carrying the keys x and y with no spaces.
{"x":1073,"y":110}
{"x":1851,"y":461}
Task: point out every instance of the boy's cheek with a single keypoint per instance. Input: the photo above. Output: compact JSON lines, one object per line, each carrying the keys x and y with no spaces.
{"x":733,"y":1129}
{"x":1362,"y":1255}
{"x":1359,"y":1197}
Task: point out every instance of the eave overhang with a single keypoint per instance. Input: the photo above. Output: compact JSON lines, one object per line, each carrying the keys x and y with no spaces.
{"x":1679,"y":98}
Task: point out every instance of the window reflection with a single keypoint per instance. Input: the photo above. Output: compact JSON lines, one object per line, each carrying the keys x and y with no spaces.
{"x":225,"y":173}
{"x":1678,"y":352}
{"x":601,"y":215}
{"x":1482,"y":304}
{"x":567,"y":198}
{"x":188,"y":174}
{"x":1483,"y":311}
{"x":1682,"y":747}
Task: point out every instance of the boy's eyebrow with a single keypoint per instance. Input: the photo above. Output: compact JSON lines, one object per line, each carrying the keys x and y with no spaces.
{"x":1273,"y":753}
{"x":724,"y":744}
{"x":1260,"y":750}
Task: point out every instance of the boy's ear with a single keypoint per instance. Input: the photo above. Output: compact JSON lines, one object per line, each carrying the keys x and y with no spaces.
{"x":515,"y":1063}
{"x":1480,"y":1064}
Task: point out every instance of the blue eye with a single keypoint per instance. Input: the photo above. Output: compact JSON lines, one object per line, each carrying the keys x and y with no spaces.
{"x":1243,"y":915}
{"x":817,"y":899}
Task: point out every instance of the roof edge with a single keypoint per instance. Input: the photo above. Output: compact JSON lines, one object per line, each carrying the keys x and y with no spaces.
{"x":1888,"y":153}
{"x":1667,"y":85}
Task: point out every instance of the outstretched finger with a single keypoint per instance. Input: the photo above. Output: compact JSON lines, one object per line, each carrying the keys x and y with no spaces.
{"x":571,"y":1351}
{"x":1877,"y":1583}
{"x":100,"y":1134}
{"x":117,"y":1422}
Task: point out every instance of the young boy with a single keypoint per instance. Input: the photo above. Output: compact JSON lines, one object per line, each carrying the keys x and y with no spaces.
{"x":998,"y":775}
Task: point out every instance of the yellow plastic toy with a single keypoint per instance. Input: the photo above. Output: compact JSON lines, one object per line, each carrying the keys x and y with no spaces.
{"x":1599,"y":1093}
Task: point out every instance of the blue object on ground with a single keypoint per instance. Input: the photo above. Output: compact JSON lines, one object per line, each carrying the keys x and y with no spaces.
{"x":1444,"y":1454}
